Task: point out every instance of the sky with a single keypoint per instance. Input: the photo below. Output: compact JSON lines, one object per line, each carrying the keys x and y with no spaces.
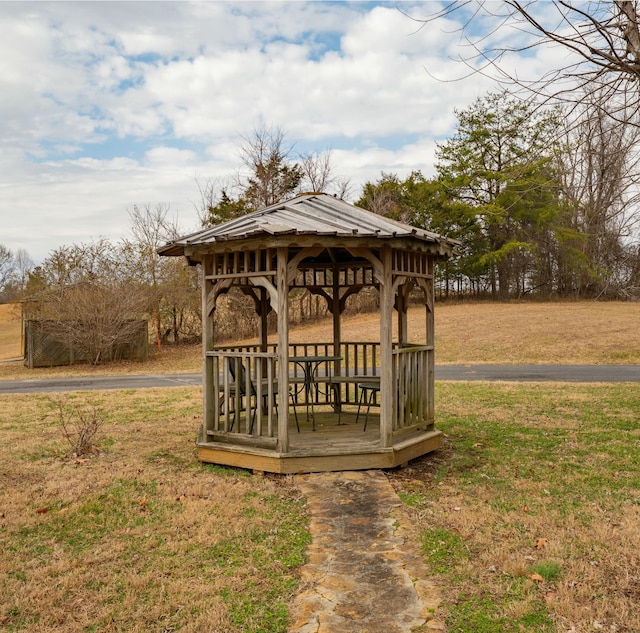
{"x":107,"y":105}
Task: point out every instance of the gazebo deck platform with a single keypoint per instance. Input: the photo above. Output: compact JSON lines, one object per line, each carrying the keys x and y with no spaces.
{"x":331,"y":447}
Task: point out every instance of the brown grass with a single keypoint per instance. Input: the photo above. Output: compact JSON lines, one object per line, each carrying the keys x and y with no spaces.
{"x":140,"y":537}
{"x":533,"y":476}
{"x":10,"y":332}
{"x":513,"y":332}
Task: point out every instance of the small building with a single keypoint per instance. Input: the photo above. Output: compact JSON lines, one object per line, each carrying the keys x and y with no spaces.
{"x":286,"y":407}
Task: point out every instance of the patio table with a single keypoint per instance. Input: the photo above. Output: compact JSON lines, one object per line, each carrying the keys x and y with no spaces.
{"x":309,"y":366}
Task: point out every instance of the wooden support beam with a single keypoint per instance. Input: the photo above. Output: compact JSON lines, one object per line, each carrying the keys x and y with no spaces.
{"x":282,"y":282}
{"x":208,"y":309}
{"x":386,"y":349}
{"x":264,"y":312}
{"x":428,"y":289}
{"x":337,"y":323}
{"x":401,"y":309}
{"x":431,"y":340}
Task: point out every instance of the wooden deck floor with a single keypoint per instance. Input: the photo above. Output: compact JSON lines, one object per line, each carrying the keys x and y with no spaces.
{"x":332,"y":446}
{"x":331,"y":435}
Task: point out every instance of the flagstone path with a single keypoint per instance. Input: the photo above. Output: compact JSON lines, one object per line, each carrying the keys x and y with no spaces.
{"x":364,"y":572}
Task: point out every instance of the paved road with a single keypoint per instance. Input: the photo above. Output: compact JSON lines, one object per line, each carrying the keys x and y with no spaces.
{"x":89,"y":383}
{"x":516,"y":373}
{"x":541,"y":373}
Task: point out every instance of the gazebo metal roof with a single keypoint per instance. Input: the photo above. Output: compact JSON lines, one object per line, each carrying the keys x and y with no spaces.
{"x":314,"y":214}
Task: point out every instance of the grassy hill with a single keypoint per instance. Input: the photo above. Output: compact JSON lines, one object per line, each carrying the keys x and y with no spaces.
{"x":466,"y":333}
{"x":10,"y":332}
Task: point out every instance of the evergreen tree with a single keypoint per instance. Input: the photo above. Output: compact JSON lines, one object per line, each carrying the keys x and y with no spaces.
{"x":500,"y":164}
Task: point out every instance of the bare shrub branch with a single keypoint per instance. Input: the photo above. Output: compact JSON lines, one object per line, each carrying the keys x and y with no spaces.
{"x":601,"y":42}
{"x":80,"y":425}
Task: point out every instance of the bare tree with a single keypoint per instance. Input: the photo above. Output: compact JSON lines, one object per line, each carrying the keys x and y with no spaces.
{"x":273,"y":175}
{"x":208,"y":197}
{"x":150,"y":228}
{"x":23,"y":265}
{"x":14,"y":273}
{"x":603,"y":39}
{"x":343,"y":188}
{"x":319,"y":175}
{"x":7,"y":268}
{"x":84,"y":295}
{"x":316,"y":167}
{"x":599,"y":186}
{"x":166,"y":282}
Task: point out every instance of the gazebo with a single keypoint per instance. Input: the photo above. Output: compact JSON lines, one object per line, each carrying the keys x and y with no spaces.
{"x":286,"y":407}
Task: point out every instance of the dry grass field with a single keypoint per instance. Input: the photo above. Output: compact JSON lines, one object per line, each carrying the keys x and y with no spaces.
{"x":138,"y":536}
{"x":10,"y":332}
{"x":511,"y":332}
{"x":529,"y":514}
{"x":515,"y":332}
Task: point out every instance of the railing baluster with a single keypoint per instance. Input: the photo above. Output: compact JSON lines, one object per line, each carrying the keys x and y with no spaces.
{"x":270,"y":404}
{"x":225,"y":378}
{"x":216,"y":391}
{"x":258,"y":369}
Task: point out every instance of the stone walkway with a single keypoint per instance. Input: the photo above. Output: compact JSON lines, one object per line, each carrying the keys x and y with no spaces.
{"x":364,"y":572}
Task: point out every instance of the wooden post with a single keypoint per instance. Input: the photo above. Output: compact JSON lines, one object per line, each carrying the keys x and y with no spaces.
{"x":282,"y":283}
{"x":401,"y":303}
{"x":209,"y":396}
{"x":386,"y":349}
{"x":263,"y":312}
{"x":337,"y":335}
{"x":431,"y":340}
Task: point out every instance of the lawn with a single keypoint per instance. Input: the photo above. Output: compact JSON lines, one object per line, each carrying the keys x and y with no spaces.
{"x":528,"y":516}
{"x":139,"y":536}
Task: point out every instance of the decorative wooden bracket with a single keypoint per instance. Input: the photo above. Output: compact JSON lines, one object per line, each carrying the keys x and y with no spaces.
{"x":318,"y":290}
{"x":219,"y":288}
{"x":270,"y":288}
{"x":426,"y":285}
{"x":366,"y":253}
{"x":292,"y":266}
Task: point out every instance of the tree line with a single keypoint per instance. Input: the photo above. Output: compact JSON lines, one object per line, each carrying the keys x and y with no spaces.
{"x":93,"y":295}
{"x":544,"y":201}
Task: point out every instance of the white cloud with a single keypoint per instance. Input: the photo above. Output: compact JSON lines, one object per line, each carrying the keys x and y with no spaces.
{"x":108,"y":104}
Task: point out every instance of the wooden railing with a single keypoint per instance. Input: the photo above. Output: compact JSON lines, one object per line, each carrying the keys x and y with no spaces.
{"x":246,"y":384}
{"x":411,"y":398}
{"x":359,"y":359}
{"x":362,"y":357}
{"x":246,"y":381}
